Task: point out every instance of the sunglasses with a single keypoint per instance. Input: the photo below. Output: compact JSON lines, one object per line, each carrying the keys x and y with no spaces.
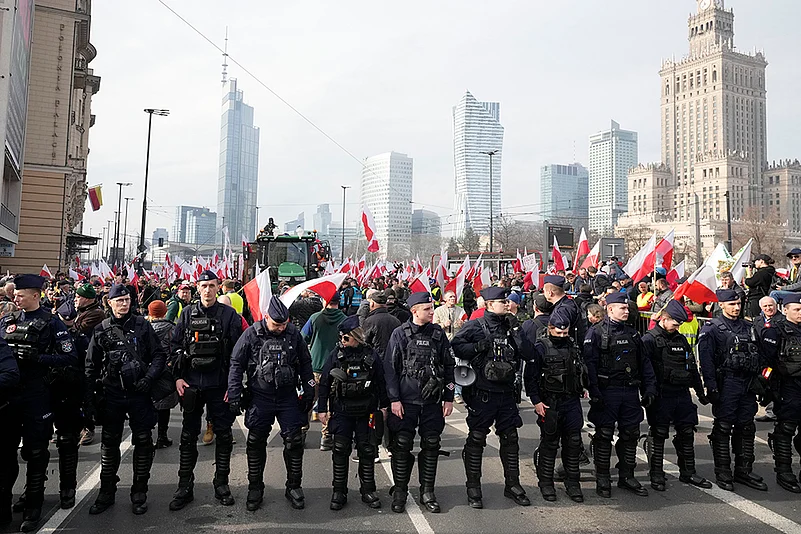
{"x":344,"y":337}
{"x":795,"y":256}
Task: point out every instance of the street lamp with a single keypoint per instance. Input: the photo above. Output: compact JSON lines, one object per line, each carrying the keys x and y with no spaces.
{"x":150,"y":112}
{"x":342,"y":254}
{"x":125,"y":228}
{"x":117,"y":223}
{"x":490,"y":153}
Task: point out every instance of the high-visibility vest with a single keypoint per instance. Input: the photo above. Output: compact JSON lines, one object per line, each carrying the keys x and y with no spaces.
{"x":690,"y":331}
{"x":644,"y":301}
{"x":236,"y":301}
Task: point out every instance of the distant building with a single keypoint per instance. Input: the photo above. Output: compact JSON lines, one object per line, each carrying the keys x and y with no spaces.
{"x":386,"y":189}
{"x":612,"y":153}
{"x":194,"y":225}
{"x":291,"y":226}
{"x":426,"y":222}
{"x":322,"y":220}
{"x":335,"y":239}
{"x":160,"y":233}
{"x":564,"y":194}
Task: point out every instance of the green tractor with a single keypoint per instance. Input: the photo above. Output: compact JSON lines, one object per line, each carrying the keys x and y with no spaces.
{"x":289,"y":258}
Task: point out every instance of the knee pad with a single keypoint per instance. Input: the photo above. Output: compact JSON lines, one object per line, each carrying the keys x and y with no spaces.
{"x":572,"y":441}
{"x":686,"y":431}
{"x":430,"y":442}
{"x":404,"y":442}
{"x":657,"y":432}
{"x":365,"y":449}
{"x":111,"y":439}
{"x":256,"y":440}
{"x":341,"y":446}
{"x":187,"y":438}
{"x":748,"y":429}
{"x":294,"y":441}
{"x":721,"y":428}
{"x":509,"y":438}
{"x":786,"y":428}
{"x":37,"y":454}
{"x":604,"y":433}
{"x":67,"y":441}
{"x":476,"y":438}
{"x":629,"y":433}
{"x":142,"y":439}
{"x":224,"y":437}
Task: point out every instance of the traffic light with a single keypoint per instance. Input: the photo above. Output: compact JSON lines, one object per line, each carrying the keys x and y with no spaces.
{"x":161,"y":242}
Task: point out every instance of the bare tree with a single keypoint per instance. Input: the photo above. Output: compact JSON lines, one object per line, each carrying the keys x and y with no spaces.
{"x":636,"y":237}
{"x":511,"y":234}
{"x":470,"y":241}
{"x":769,"y":233}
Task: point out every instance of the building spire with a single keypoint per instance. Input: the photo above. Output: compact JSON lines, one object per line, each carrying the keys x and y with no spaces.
{"x":225,"y":59}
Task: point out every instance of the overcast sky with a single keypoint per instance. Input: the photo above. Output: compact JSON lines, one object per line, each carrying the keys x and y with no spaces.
{"x":381,"y":76}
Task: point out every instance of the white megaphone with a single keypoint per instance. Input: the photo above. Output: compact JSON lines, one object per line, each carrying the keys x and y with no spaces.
{"x":463,"y":373}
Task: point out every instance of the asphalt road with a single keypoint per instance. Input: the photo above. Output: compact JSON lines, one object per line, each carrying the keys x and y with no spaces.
{"x":681,"y":508}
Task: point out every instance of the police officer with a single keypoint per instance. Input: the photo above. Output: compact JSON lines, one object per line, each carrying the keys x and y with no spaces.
{"x":495,"y":347}
{"x":676,"y":372}
{"x":90,"y":314}
{"x":554,"y":291}
{"x":351,"y":389}
{"x":555,"y":381}
{"x":617,"y":371}
{"x":418,"y":370}
{"x":40,"y":343}
{"x":782,"y":344}
{"x":126,"y":356}
{"x":542,"y":311}
{"x":277,"y":361}
{"x":9,"y":379}
{"x":204,"y":337}
{"x":730,"y":361}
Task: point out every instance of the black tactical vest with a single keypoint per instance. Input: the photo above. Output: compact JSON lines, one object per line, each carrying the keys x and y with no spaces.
{"x":25,"y":337}
{"x":422,"y":363}
{"x":356,"y":394}
{"x":739,"y":354}
{"x":790,"y":353}
{"x":274,"y":370}
{"x":203,"y":341}
{"x":562,"y":368}
{"x":672,"y":361}
{"x":619,"y":359}
{"x":123,"y":365}
{"x":500,"y":365}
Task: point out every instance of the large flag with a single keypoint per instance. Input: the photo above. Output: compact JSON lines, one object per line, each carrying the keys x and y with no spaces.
{"x":258,"y":293}
{"x":700,"y":286}
{"x":369,"y":230}
{"x":324,"y":286}
{"x":593,"y":257}
{"x":518,"y":263}
{"x":674,"y":275}
{"x":583,"y":248}
{"x":664,"y":251}
{"x":75,"y":275}
{"x":558,"y":260}
{"x":45,"y":272}
{"x":482,"y":279}
{"x":441,"y":276}
{"x":743,"y":255}
{"x":457,"y":282}
{"x":642,"y":263}
{"x":96,"y":197}
{"x":420,"y":284}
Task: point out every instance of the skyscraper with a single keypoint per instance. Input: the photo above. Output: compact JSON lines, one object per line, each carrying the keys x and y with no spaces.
{"x":612,"y":153}
{"x":239,"y":167}
{"x":386,"y":189}
{"x":476,"y":129}
{"x":291,"y":226}
{"x":194,"y":225}
{"x":322,"y":219}
{"x":564,"y":192}
{"x":426,"y":222}
{"x":160,"y":233}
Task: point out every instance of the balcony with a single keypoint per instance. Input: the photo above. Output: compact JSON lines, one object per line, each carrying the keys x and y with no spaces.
{"x":8,"y":219}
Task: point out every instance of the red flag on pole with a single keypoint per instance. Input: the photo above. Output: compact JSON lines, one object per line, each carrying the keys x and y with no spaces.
{"x":369,"y":229}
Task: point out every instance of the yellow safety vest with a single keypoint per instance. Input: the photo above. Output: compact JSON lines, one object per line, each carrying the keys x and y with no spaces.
{"x":644,"y":301}
{"x":690,"y":331}
{"x":236,"y":301}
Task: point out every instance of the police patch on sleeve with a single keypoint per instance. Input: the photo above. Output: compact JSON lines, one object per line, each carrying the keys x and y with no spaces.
{"x":450,"y":386}
{"x":312,"y":383}
{"x":66,"y":346}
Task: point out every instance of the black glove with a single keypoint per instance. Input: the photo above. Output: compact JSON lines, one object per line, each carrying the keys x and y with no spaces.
{"x":702,"y":398}
{"x":512,"y":321}
{"x":713,"y":395}
{"x":27,"y":353}
{"x":143,"y":385}
{"x":647,"y":400}
{"x":482,"y":346}
{"x":306,"y":403}
{"x":235,"y":408}
{"x":597,"y":402}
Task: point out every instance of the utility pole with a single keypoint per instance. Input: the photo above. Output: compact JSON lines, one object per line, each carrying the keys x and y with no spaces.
{"x":150,"y":112}
{"x":728,"y":221}
{"x":342,"y":254}
{"x":491,"y":153}
{"x":699,"y":259}
{"x":125,"y":228}
{"x":117,"y":223}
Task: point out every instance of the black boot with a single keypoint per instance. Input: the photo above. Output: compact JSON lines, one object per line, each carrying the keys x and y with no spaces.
{"x":109,"y":465}
{"x":367,"y":453}
{"x":509,"y":452}
{"x":719,"y":440}
{"x":546,"y":460}
{"x":187,"y":458}
{"x":340,"y":456}
{"x":602,"y":457}
{"x":142,"y":462}
{"x":222,"y":460}
{"x":571,"y":459}
{"x":402,"y":462}
{"x":744,"y":457}
{"x":427,"y":468}
{"x":684,"y":442}
{"x":472,"y":455}
{"x":782,"y":439}
{"x":162,"y":441}
{"x":626,"y":450}
{"x":293,"y":459}
{"x":67,"y":445}
{"x":656,"y":470}
{"x":256,"y":449}
{"x":36,"y":475}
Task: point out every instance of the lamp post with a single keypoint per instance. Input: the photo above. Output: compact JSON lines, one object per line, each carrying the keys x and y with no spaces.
{"x":108,"y":240}
{"x":150,"y":112}
{"x":117,"y":223}
{"x":490,"y":153}
{"x":342,"y":254}
{"x":125,"y":228}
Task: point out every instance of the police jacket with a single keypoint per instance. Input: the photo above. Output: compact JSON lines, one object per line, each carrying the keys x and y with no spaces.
{"x":9,"y":373}
{"x":781,"y":346}
{"x":362,"y":392}
{"x":673,"y":360}
{"x":42,"y":333}
{"x":614,"y":357}
{"x":577,"y":327}
{"x":276,"y":364}
{"x":418,"y":365}
{"x":205,"y":338}
{"x":506,"y":349}
{"x":399,"y":312}
{"x":533,"y":327}
{"x":378,"y":328}
{"x":729,"y":346}
{"x":556,"y":372}
{"x":761,"y":322}
{"x":122,"y":351}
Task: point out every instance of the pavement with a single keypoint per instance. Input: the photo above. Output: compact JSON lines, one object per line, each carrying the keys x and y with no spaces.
{"x":680,"y":509}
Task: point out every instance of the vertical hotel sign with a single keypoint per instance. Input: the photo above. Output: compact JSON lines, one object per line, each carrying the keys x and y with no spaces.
{"x":18,"y":91}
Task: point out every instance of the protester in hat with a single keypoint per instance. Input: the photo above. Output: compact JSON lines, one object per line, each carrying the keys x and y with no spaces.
{"x":618,"y":372}
{"x":730,"y":362}
{"x":418,"y":370}
{"x":126,"y":354}
{"x":181,"y":298}
{"x":758,"y":281}
{"x":782,"y":348}
{"x":306,"y":305}
{"x":276,"y":359}
{"x":496,"y":348}
{"x":321,"y":334}
{"x":351,"y":390}
{"x":793,"y":282}
{"x":542,"y":312}
{"x":204,"y":337}
{"x":727,"y":281}
{"x":40,"y":343}
{"x":553,"y":289}
{"x":676,"y":372}
{"x":156,"y":311}
{"x":397,"y":309}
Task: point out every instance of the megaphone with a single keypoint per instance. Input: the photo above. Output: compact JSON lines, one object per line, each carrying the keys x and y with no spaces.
{"x":463,"y":373}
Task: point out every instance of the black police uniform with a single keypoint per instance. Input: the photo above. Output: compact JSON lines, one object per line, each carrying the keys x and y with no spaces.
{"x":617,"y":372}
{"x":782,"y":348}
{"x":40,"y":343}
{"x":351,"y":389}
{"x":532,"y":327}
{"x":676,"y":372}
{"x":204,"y":338}
{"x":276,"y":365}
{"x":418,"y":370}
{"x":730,"y":361}
{"x":126,"y":356}
{"x":9,"y":379}
{"x":495,"y":347}
{"x":557,"y":378}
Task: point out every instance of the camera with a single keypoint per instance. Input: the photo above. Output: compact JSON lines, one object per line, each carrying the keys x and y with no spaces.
{"x":749,"y":264}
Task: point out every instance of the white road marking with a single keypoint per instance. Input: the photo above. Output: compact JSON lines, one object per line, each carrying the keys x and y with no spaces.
{"x":413,"y":509}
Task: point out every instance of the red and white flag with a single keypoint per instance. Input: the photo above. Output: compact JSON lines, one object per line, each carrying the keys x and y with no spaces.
{"x":518,"y":264}
{"x":457,"y":282}
{"x":369,"y":229}
{"x":324,"y":286}
{"x":593,"y":257}
{"x":362,"y":263}
{"x":674,"y":274}
{"x":482,"y":279}
{"x":45,"y":272}
{"x":441,"y":276}
{"x":700,"y":286}
{"x":664,"y":251}
{"x":583,"y":248}
{"x":420,"y":284}
{"x":258,"y":293}
{"x":642,"y":263}
{"x":75,"y":275}
{"x":559,"y":263}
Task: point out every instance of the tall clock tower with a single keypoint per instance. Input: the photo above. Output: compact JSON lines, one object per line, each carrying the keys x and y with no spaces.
{"x":711,"y":27}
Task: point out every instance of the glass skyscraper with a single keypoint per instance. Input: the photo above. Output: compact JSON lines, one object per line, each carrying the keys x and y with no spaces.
{"x":612,"y":153}
{"x":239,"y":168}
{"x":564,"y":192}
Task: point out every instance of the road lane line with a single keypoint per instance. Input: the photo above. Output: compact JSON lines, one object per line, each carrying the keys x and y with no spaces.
{"x":413,"y":510}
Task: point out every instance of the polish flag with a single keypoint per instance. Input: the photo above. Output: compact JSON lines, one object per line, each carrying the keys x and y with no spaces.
{"x":258,"y":293}
{"x":700,"y":286}
{"x":664,"y":251}
{"x":642,"y":263}
{"x":475,"y":269}
{"x":442,"y":270}
{"x":369,"y":229}
{"x":674,"y":274}
{"x":583,"y":248}
{"x":75,"y":275}
{"x":558,"y":259}
{"x":420,"y":284}
{"x":743,"y":255}
{"x":362,"y":263}
{"x":518,"y":264}
{"x":457,"y":282}
{"x":482,"y":279}
{"x":324,"y":286}
{"x":593,"y":257}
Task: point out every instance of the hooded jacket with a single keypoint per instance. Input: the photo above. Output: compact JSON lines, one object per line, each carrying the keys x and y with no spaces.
{"x":321,"y":334}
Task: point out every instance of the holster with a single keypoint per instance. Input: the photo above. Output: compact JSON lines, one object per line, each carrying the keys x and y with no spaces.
{"x":189,"y":400}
